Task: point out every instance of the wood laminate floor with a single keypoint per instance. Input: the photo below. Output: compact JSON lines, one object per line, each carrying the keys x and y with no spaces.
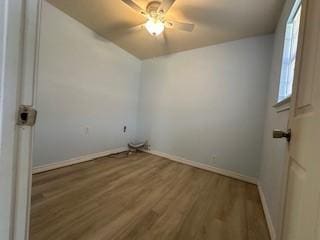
{"x":143,"y":197}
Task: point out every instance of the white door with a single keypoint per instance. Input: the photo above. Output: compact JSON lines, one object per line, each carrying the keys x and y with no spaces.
{"x":302,"y":210}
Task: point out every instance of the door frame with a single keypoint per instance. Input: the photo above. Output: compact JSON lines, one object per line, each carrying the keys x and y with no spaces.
{"x":19,"y":47}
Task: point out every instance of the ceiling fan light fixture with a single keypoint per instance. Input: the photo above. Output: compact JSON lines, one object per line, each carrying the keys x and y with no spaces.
{"x":154,"y":27}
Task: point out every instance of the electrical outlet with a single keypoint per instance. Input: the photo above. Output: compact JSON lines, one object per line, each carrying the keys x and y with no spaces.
{"x":214,"y":158}
{"x":124,"y":129}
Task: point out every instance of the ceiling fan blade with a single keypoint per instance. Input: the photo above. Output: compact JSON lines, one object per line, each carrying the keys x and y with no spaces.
{"x":135,"y":28}
{"x":135,"y":7}
{"x":187,"y":27}
{"x":166,"y":5}
{"x":129,"y":30}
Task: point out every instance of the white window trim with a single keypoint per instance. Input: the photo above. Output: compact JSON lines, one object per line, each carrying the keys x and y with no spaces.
{"x":283,"y":105}
{"x":294,"y":11}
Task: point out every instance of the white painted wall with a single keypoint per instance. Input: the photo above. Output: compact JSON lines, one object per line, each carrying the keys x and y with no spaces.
{"x":274,"y":151}
{"x":87,"y":91}
{"x":208,"y":102}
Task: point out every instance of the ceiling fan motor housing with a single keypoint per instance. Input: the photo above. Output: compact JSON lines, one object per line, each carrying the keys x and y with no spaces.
{"x":155,"y":12}
{"x":152,"y":9}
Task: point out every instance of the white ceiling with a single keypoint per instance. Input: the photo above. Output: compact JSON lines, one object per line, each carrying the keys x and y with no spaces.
{"x":217,"y":21}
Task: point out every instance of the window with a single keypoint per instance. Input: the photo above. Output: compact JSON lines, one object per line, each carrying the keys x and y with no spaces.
{"x":289,"y":53}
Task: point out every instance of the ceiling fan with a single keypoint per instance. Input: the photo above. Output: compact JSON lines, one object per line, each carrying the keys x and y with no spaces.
{"x":155,"y":12}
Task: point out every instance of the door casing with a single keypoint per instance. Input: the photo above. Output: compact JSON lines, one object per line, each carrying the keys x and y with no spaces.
{"x":19,"y":31}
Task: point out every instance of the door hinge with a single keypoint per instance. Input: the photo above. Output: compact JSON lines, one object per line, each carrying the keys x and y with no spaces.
{"x":27,"y":116}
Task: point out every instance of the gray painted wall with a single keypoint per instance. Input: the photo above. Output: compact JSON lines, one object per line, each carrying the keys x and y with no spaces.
{"x":208,"y":103}
{"x":87,"y":91}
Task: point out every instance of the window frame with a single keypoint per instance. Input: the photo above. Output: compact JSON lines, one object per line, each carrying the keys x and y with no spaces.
{"x":287,"y":58}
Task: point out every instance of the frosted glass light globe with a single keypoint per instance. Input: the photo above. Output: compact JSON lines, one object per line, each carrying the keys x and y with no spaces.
{"x":154,"y":27}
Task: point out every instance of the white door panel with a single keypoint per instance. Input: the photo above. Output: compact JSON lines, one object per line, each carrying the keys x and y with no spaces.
{"x":302,"y":211}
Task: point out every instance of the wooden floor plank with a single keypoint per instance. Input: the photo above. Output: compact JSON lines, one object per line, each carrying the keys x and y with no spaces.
{"x":143,"y":197}
{"x":196,"y":217}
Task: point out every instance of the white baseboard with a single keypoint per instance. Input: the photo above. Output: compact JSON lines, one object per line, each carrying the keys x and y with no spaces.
{"x":203,"y":166}
{"x":267,"y":213}
{"x":72,"y":161}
